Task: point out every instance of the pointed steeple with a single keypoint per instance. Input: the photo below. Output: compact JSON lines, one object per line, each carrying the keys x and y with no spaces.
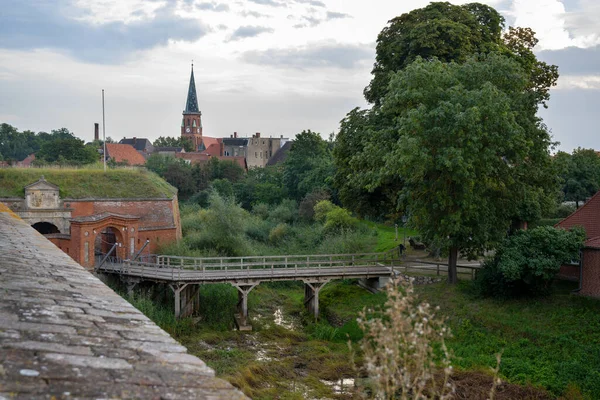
{"x":191,"y":105}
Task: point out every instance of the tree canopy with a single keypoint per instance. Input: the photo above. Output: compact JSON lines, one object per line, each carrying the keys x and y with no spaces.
{"x":168,"y":141}
{"x":580,"y":174}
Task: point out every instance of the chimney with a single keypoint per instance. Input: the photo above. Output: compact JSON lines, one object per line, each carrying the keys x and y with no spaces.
{"x":281,"y":136}
{"x":231,"y":136}
{"x":257,"y":135}
{"x":221,"y":149}
{"x":235,"y":135}
{"x":134,"y":140}
{"x":96,"y":131}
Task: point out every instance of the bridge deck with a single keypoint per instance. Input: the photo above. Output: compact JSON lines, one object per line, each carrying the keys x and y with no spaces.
{"x":64,"y":334}
{"x":257,"y":269}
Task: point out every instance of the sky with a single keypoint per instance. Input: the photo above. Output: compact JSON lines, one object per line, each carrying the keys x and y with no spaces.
{"x":271,"y":66}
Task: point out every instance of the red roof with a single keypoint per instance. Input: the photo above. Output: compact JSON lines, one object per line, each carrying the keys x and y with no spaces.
{"x":594,"y":242}
{"x":124,"y":153}
{"x":213,"y":150}
{"x":587,"y":216}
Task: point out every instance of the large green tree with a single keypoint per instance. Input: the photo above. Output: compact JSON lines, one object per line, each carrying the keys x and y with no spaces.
{"x":442,"y":30}
{"x":468,"y":149}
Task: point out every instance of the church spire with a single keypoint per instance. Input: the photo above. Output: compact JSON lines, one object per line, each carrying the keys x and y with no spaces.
{"x":191,"y":105}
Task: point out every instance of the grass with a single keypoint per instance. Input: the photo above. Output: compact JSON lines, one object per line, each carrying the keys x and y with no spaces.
{"x":551,"y":342}
{"x":386,"y":235}
{"x":86,"y":183}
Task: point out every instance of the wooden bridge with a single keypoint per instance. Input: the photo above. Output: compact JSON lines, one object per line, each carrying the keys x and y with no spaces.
{"x":184,"y":275}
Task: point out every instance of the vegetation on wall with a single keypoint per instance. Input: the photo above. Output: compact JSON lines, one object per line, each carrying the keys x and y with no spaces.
{"x":88,"y":183}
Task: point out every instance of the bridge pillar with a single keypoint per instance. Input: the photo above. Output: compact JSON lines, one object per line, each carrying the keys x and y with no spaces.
{"x":311,"y":296}
{"x":242,"y":305}
{"x":374,"y":284}
{"x":184,"y":299}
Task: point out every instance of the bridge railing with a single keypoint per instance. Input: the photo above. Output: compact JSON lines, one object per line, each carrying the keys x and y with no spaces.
{"x":286,"y":261}
{"x":222,"y":268}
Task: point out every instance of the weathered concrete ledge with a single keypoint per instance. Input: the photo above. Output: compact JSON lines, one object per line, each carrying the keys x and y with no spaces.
{"x":64,"y":334}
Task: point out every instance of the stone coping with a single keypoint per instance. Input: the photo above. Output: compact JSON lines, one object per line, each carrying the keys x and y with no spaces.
{"x":66,"y":335}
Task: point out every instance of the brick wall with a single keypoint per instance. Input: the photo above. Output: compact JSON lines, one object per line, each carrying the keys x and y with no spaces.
{"x":591,"y":273}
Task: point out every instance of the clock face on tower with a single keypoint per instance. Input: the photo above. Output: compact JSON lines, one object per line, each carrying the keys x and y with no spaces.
{"x":187,"y":130}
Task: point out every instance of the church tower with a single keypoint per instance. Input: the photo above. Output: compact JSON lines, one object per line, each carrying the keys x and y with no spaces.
{"x":191,"y":124}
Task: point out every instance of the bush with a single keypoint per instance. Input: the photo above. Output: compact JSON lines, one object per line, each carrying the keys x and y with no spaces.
{"x":279,"y":233}
{"x":564,"y":210}
{"x":339,"y":220}
{"x":286,"y":211}
{"x":258,"y":229}
{"x":261,"y":210}
{"x":527,"y":262}
{"x":306,"y":209}
{"x":221,"y":228}
{"x":322,"y":208}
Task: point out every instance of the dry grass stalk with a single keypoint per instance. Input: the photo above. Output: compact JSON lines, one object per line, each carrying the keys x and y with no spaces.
{"x":405,"y":346}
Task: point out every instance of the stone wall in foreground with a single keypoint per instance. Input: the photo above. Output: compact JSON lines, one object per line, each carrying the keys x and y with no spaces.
{"x":64,"y":334}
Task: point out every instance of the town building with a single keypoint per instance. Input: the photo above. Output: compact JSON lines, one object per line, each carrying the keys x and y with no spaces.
{"x":142,"y":145}
{"x":588,"y":270}
{"x":260,"y":150}
{"x":124,"y":154}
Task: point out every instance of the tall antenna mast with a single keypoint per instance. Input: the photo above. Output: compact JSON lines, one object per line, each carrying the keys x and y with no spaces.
{"x":103,"y":132}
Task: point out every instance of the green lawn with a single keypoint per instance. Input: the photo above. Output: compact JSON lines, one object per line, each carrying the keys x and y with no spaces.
{"x":386,"y":235}
{"x":84,"y":183}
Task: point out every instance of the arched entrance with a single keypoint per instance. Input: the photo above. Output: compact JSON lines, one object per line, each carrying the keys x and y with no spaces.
{"x":106,"y":238}
{"x":45,"y":228}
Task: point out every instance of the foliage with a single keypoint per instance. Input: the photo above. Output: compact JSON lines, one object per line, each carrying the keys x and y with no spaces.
{"x":339,"y":220}
{"x":403,"y":347}
{"x":220,"y":228}
{"x":441,"y":30}
{"x":168,"y":141}
{"x":64,"y":148}
{"x":279,"y":233}
{"x":322,"y":208}
{"x":470,"y":153}
{"x":261,"y":185}
{"x":286,"y":211}
{"x":527,"y":262}
{"x":87,"y":182}
{"x":306,"y":209}
{"x":308,"y":166}
{"x":580,"y":174}
{"x":357,"y":158}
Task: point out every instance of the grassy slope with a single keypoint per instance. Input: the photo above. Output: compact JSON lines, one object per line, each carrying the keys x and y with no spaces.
{"x":84,"y":183}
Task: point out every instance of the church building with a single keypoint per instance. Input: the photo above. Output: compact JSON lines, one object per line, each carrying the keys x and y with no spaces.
{"x":191,"y":123}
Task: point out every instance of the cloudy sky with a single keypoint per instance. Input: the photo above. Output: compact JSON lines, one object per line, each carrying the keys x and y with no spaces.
{"x":270,"y":66}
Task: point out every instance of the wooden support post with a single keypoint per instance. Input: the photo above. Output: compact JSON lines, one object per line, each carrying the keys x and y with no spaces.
{"x":177,"y":288}
{"x":311,"y":296}
{"x":242,"y":305}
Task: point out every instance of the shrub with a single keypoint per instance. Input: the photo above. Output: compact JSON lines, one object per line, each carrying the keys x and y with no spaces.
{"x":322,"y":208}
{"x":286,"y":211}
{"x":527,"y":262}
{"x":279,"y":232}
{"x":258,"y":229}
{"x":261,"y":210}
{"x":306,"y":209}
{"x":339,"y":220}
{"x":222,"y":228}
{"x":403,"y":345}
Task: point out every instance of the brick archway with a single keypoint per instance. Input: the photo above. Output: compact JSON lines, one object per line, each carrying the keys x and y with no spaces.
{"x":86,"y":230}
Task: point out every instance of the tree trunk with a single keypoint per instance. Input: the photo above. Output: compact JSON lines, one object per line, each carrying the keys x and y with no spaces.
{"x":576,"y":204}
{"x":452,"y":260}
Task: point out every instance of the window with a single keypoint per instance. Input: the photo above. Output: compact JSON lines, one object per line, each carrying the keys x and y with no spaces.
{"x":261,"y":154}
{"x":188,"y":122}
{"x":255,"y":155}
